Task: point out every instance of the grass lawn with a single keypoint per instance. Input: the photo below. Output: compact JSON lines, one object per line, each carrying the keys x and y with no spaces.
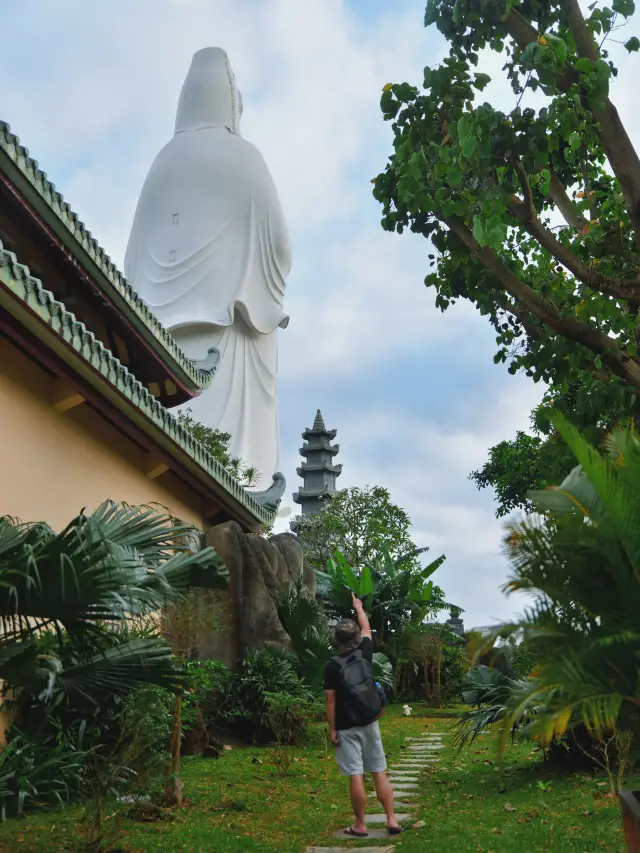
{"x":238,"y":804}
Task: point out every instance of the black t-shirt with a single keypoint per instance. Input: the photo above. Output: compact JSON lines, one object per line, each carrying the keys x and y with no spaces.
{"x":332,"y":680}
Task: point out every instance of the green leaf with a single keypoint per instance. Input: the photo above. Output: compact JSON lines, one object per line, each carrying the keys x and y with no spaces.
{"x":481,"y":81}
{"x":366,"y":582}
{"x":479,"y":231}
{"x":468,"y":145}
{"x":574,"y":140}
{"x":624,"y":7}
{"x":633,"y":44}
{"x":345,"y":569}
{"x":454,"y":176}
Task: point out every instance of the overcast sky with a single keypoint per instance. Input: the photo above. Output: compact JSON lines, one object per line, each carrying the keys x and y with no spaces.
{"x":91,"y":89}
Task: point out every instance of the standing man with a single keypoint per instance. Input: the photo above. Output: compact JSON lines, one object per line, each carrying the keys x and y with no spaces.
{"x":353,"y":707}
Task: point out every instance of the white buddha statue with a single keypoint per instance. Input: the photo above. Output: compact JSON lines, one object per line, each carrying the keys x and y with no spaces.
{"x":209,"y":253}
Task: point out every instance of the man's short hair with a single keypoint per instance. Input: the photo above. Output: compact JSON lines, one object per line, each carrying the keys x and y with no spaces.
{"x":346,"y":635}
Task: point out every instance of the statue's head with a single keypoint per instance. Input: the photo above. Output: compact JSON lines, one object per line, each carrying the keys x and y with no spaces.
{"x":346,"y":635}
{"x":209,"y":96}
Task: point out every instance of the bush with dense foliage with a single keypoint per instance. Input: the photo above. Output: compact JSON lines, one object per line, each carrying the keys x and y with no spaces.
{"x":579,"y":566}
{"x":248,"y":700}
{"x":81,"y":655}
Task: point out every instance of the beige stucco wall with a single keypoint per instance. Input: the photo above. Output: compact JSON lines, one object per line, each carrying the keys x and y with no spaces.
{"x":53,"y":465}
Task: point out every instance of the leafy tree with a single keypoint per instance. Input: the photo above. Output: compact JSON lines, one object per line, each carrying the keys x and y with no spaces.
{"x":217,"y":443}
{"x":580,"y":565}
{"x":359,"y":523}
{"x":517,"y":467}
{"x":403,"y":594}
{"x":534,"y":211}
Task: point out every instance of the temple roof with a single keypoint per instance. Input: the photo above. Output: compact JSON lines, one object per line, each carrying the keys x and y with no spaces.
{"x":319,"y":429}
{"x":31,"y":182}
{"x":24,"y":298}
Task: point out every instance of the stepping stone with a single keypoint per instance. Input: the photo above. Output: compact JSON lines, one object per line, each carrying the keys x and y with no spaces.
{"x":424,"y":737}
{"x":413,"y":758}
{"x":405,"y":786}
{"x":402,"y":793}
{"x":373,"y":834}
{"x":360,"y":849}
{"x":430,"y":748}
{"x":411,"y":768}
{"x":382,"y":818}
{"x":403,"y":777}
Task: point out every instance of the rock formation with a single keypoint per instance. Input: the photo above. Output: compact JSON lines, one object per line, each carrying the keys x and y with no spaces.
{"x":260,"y":570}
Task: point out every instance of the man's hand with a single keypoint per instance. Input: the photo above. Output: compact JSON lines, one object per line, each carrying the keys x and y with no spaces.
{"x":363,"y":619}
{"x":335,"y":737}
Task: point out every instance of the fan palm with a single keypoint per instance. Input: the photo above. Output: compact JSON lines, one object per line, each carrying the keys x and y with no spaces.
{"x":81,"y":587}
{"x":580,"y":563}
{"x":489,"y":691}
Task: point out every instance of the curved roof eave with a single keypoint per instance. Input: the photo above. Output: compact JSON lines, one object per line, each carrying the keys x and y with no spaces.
{"x":79,"y":240}
{"x":45,"y":309}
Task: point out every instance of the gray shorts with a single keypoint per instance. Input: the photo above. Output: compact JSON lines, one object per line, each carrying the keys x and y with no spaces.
{"x":361,"y":751}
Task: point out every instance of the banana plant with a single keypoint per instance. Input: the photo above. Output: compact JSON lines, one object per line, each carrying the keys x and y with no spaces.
{"x":342,"y":582}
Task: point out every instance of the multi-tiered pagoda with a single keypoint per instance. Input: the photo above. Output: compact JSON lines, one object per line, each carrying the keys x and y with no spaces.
{"x":318,"y":472}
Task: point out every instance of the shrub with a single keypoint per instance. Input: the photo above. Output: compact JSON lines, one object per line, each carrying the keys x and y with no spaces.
{"x":288,"y":717}
{"x":33,"y":773}
{"x":239,"y":700}
{"x":145,"y":730}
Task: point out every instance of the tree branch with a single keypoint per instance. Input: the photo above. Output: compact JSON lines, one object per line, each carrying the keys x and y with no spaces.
{"x":567,"y":208}
{"x":589,"y":276}
{"x":620,"y":152}
{"x":603,"y":345}
{"x":525,"y":212}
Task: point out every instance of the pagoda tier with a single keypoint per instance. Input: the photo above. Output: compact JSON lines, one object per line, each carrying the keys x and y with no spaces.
{"x":325,"y":446}
{"x":320,"y":466}
{"x":318,"y":472}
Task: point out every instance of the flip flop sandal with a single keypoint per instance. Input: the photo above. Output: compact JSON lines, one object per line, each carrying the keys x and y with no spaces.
{"x":355,"y":834}
{"x":396,"y":830}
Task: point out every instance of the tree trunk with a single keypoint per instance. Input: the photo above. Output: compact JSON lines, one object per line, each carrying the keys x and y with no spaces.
{"x":174,"y":787}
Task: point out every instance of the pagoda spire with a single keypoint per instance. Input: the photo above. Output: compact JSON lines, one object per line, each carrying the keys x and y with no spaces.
{"x":318,"y":472}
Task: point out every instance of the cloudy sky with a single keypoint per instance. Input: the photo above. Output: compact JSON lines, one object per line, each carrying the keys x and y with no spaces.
{"x":91,"y":89}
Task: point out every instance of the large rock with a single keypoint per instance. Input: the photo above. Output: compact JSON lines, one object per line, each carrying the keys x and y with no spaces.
{"x":260,"y":570}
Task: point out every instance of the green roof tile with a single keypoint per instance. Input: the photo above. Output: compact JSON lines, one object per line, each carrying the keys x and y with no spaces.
{"x":122,"y":290}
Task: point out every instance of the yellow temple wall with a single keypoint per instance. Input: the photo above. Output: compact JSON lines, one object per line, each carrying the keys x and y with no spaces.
{"x":52,"y":465}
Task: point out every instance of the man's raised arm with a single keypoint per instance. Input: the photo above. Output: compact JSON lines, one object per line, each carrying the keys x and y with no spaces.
{"x":361,"y":616}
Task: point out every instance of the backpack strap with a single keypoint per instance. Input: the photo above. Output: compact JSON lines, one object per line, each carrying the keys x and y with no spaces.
{"x":342,"y":661}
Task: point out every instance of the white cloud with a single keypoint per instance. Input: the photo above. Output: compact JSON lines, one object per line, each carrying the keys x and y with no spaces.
{"x":368,"y":305}
{"x":426,"y":469}
{"x":96,"y":101}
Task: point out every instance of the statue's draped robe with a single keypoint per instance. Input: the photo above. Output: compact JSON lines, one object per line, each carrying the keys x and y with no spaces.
{"x":209,"y":253}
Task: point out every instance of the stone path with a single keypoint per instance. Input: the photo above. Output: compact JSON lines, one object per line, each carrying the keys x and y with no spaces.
{"x":418,"y":755}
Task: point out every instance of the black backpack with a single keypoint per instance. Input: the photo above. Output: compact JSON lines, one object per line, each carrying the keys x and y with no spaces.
{"x":360,"y":694}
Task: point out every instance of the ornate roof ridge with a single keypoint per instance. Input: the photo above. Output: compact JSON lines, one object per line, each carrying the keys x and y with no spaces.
{"x":28,"y":166}
{"x":32,"y":293}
